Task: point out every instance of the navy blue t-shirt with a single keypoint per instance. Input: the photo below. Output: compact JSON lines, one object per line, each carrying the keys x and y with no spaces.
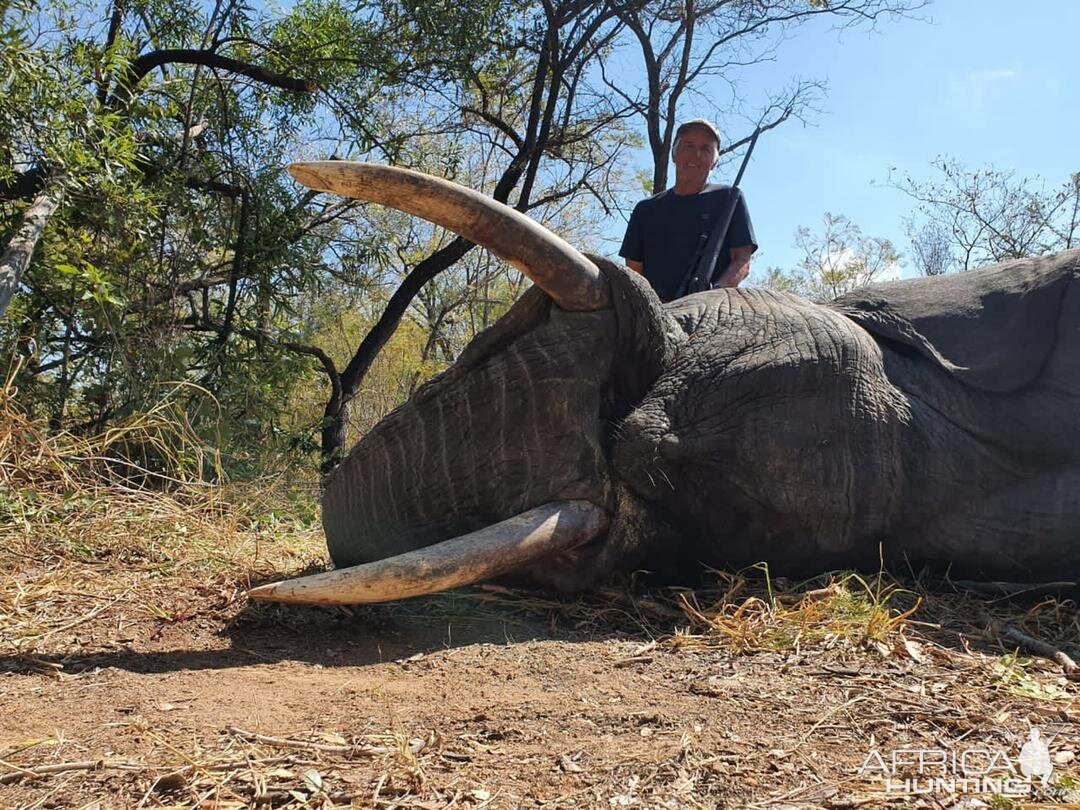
{"x":666,"y":231}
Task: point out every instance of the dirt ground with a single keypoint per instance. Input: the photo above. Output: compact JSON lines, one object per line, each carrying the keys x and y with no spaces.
{"x":163,"y":691}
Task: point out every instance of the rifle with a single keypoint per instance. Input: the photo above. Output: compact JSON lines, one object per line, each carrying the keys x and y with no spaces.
{"x":703,"y":267}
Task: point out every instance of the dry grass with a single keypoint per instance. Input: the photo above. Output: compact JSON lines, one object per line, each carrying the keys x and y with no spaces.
{"x":847,"y":610}
{"x":92,"y":534}
{"x":245,"y":769}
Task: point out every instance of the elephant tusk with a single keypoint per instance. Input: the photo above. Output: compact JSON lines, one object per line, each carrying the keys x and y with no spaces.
{"x":506,"y":546}
{"x":573,"y":282}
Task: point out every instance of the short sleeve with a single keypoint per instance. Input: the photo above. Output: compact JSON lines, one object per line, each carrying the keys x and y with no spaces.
{"x":633,"y":243}
{"x":741,"y":231}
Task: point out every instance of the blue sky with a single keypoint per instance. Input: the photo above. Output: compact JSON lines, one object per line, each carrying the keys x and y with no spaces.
{"x":989,"y":82}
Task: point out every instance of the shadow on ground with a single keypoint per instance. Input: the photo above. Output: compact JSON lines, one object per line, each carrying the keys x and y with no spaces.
{"x":266,"y":633}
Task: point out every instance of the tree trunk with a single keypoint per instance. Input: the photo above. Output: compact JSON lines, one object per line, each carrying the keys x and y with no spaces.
{"x":20,"y":249}
{"x":336,"y":414}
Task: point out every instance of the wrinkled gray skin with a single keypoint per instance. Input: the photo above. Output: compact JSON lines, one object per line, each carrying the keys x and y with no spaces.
{"x":930,"y":421}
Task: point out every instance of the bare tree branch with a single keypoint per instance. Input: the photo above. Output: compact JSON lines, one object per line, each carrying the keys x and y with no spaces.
{"x":142,"y":65}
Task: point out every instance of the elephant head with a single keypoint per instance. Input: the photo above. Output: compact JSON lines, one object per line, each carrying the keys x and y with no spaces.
{"x":503,"y":461}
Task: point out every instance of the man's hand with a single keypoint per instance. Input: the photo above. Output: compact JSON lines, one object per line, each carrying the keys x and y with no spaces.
{"x":739,"y":268}
{"x":636,"y":266}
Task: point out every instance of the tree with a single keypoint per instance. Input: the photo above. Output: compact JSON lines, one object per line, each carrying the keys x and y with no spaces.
{"x":835,"y":260}
{"x":930,"y":248}
{"x":20,"y":250}
{"x":183,"y":251}
{"x":684,"y":42}
{"x":163,"y":132}
{"x":151,"y":234}
{"x":776,"y":278}
{"x":36,"y":84}
{"x":970,"y":218}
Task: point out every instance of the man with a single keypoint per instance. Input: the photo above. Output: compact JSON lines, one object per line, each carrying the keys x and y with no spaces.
{"x":667,"y":232}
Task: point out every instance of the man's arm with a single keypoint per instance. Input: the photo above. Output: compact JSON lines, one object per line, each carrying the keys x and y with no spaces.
{"x":741,"y":232}
{"x":738,"y":269}
{"x":633,"y":243}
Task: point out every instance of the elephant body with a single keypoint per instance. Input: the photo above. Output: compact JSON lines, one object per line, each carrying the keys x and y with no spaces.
{"x":928,"y":421}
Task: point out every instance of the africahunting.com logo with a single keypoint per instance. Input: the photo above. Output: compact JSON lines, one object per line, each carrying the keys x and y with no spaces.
{"x":978,"y":769}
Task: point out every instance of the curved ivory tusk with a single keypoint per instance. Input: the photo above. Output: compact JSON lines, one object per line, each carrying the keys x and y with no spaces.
{"x":562,"y":272}
{"x":505,"y":546}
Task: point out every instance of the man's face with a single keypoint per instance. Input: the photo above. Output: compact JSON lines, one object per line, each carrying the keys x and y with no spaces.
{"x":694,"y":155}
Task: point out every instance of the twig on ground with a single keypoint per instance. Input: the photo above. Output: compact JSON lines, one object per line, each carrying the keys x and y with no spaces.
{"x":172,"y":771}
{"x":1072,"y":671}
{"x":81,"y":620}
{"x":1008,"y":590}
{"x":415,"y":746}
{"x":61,"y":767}
{"x":827,"y":716}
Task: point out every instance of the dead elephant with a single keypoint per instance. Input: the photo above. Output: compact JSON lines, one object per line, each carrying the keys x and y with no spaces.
{"x":592,"y":428}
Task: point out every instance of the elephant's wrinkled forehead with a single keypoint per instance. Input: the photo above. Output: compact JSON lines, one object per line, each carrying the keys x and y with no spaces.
{"x":733,"y":312}
{"x":777,"y":409}
{"x":757,"y":363}
{"x":763,"y":330}
{"x":768,"y":343}
{"x":514,"y":424}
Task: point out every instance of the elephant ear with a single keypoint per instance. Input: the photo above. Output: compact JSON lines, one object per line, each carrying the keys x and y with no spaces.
{"x":646,"y":335}
{"x":991,"y":328}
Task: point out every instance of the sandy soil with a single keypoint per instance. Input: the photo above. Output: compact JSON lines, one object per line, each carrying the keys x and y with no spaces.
{"x":458,"y":701}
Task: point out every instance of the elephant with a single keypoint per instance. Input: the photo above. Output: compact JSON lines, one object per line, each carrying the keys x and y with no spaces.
{"x":593,"y":429}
